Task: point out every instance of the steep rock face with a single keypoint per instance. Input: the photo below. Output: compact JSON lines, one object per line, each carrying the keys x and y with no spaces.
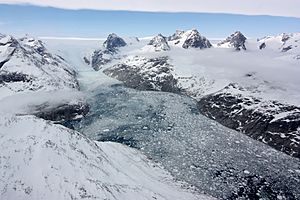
{"x":101,"y":57}
{"x":26,"y":65}
{"x":236,"y":40}
{"x":113,"y":42}
{"x":271,"y":122}
{"x":145,"y":74}
{"x":159,"y":43}
{"x":195,"y":40}
{"x":41,"y":160}
{"x":63,"y":113}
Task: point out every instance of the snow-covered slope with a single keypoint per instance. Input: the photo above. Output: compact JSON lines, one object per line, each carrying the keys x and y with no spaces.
{"x":34,"y":80}
{"x":40,"y":160}
{"x":26,"y":65}
{"x":286,"y":45}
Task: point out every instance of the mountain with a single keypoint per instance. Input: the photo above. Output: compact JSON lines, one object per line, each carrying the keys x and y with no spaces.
{"x":110,"y":51}
{"x":176,"y":36}
{"x":113,"y":42}
{"x":26,"y":65}
{"x":145,"y":74}
{"x":35,"y":81}
{"x":286,"y":44}
{"x":159,"y":43}
{"x":236,"y":40}
{"x":41,"y":160}
{"x":190,"y":39}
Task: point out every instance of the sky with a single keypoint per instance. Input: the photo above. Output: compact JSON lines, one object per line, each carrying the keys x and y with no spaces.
{"x":65,"y":19}
{"x":288,"y":8}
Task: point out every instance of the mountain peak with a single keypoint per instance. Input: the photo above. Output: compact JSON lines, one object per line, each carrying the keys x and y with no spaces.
{"x":159,"y":43}
{"x":177,"y":35}
{"x":236,"y":40}
{"x":113,"y":42}
{"x":195,"y":40}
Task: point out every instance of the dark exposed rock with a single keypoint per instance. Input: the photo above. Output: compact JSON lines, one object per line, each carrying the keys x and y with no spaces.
{"x":113,"y":42}
{"x":176,"y":36}
{"x":101,"y":57}
{"x":6,"y":77}
{"x":285,"y":49}
{"x":256,"y":119}
{"x":237,"y":40}
{"x":285,"y":38}
{"x":160,"y":43}
{"x":262,"y":46}
{"x":8,"y":40}
{"x":195,"y":40}
{"x":154,"y":74}
{"x":86,"y":60}
{"x":3,"y":62}
{"x":62,"y":113}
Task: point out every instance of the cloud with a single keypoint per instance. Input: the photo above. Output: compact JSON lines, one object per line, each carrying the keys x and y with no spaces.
{"x":289,"y":8}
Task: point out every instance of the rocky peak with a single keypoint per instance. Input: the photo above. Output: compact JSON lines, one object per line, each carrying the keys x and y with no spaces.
{"x":113,"y":42}
{"x":284,"y":43}
{"x":195,"y":40}
{"x":285,"y":37}
{"x":176,"y":36}
{"x":37,"y":45}
{"x":26,"y":65}
{"x":159,"y":43}
{"x":8,"y":40}
{"x":236,"y":40}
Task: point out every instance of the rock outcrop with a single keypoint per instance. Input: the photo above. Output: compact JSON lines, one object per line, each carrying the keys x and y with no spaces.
{"x":193,"y":39}
{"x":236,"y":40}
{"x":270,"y":122}
{"x":114,"y":42}
{"x":101,"y":57}
{"x":151,"y":74}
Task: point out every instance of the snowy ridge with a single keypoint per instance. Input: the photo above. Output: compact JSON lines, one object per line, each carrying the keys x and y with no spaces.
{"x":40,"y":160}
{"x":26,"y":65}
{"x":286,"y":44}
{"x":158,"y":43}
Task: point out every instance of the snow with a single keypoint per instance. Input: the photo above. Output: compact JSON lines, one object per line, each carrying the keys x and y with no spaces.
{"x":41,"y":160}
{"x":41,"y":70}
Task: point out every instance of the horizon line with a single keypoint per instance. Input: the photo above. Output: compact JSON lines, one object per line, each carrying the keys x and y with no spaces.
{"x":144,"y":11}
